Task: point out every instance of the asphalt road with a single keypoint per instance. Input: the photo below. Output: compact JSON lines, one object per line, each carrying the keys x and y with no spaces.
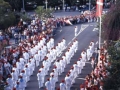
{"x":86,"y":34}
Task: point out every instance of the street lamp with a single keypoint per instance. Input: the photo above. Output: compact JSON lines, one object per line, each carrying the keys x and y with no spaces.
{"x":89,"y":4}
{"x":63,"y":4}
{"x":46,"y":4}
{"x":23,"y":5}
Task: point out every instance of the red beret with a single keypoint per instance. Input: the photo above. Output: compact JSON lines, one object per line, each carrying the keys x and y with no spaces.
{"x":55,"y":67}
{"x":13,"y":70}
{"x":39,"y":71}
{"x":17,"y":82}
{"x":26,"y":65}
{"x":23,"y":71}
{"x":20,"y":76}
{"x":48,"y":79}
{"x":14,"y":88}
{"x":63,"y":81}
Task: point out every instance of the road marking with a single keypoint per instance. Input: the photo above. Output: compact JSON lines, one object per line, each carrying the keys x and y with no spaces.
{"x":81,"y":78}
{"x":83,"y":27}
{"x":95,"y":29}
{"x":96,"y":43}
{"x":69,"y":43}
{"x":61,"y":30}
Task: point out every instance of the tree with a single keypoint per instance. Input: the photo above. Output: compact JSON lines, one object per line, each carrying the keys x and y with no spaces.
{"x":111,"y":23}
{"x":43,"y":13}
{"x":7,"y":18}
{"x":112,"y":82}
{"x":16,"y":4}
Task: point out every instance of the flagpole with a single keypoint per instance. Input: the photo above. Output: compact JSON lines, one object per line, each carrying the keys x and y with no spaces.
{"x":100,"y":29}
{"x":100,"y":33}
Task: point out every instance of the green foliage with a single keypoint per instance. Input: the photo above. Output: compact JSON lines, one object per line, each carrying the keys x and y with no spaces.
{"x":111,"y":23}
{"x":25,"y":17}
{"x":43,"y":13}
{"x":7,"y":18}
{"x":113,"y":81}
{"x":16,"y":4}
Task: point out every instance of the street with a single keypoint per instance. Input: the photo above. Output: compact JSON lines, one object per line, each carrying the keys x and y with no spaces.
{"x":86,"y":34}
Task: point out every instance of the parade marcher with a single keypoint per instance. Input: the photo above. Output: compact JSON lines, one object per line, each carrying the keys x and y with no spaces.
{"x":39,"y":78}
{"x":76,"y":30}
{"x":62,"y":65}
{"x":27,"y":72}
{"x":48,"y":84}
{"x":72,"y":75}
{"x":7,"y":87}
{"x":52,"y":82}
{"x":36,"y":57}
{"x":55,"y":74}
{"x":64,"y":43}
{"x":58,"y":67}
{"x":76,"y":45}
{"x":22,"y":61}
{"x":51,"y":42}
{"x":22,"y":83}
{"x":26,"y":56}
{"x":18,"y":64}
{"x":17,"y":86}
{"x":10,"y":81}
{"x":14,"y":76}
{"x":88,"y":53}
{"x":40,"y":54}
{"x":62,"y":85}
{"x":67,"y":82}
{"x":76,"y":69}
{"x":23,"y":74}
{"x":42,"y":73}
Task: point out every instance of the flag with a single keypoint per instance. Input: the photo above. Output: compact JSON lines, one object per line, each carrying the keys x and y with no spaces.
{"x":99,"y":8}
{"x":67,"y":21}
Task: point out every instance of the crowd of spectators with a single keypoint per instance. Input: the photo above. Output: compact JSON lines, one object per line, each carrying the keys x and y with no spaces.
{"x":37,"y":27}
{"x":95,"y":80}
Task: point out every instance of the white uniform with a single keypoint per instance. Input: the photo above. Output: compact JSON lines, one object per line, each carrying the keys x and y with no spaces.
{"x":40,"y":54}
{"x":52,"y":42}
{"x":22,"y":84}
{"x":23,"y":74}
{"x":76,"y":69}
{"x":79,"y":66}
{"x":55,"y":74}
{"x":36,"y":57}
{"x":14,"y":77}
{"x":22,"y":61}
{"x":17,"y":86}
{"x":27,"y":72}
{"x":48,"y":85}
{"x":10,"y":82}
{"x":62,"y":65}
{"x":39,"y":78}
{"x":88,"y":54}
{"x":52,"y":82}
{"x":76,"y":44}
{"x":62,"y":86}
{"x":76,"y":30}
{"x":64,"y":43}
{"x":58,"y":67}
{"x":18,"y":64}
{"x":67,"y":82}
{"x":26,"y":57}
{"x":42,"y":74}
